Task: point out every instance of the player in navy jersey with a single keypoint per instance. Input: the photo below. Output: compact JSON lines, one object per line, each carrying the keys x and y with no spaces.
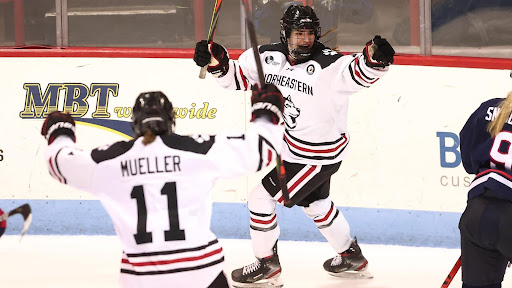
{"x":486,"y":224}
{"x":317,"y":83}
{"x":157,"y":187}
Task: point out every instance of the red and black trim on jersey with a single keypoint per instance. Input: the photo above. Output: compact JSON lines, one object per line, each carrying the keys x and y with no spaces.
{"x":496,"y":180}
{"x":245,"y":84}
{"x":54,"y":168}
{"x":174,"y":261}
{"x":267,"y":153}
{"x":358,"y":75}
{"x":316,"y":151}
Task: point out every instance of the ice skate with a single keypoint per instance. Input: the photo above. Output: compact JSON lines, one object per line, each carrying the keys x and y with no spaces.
{"x":349,"y":264}
{"x":263,"y":273}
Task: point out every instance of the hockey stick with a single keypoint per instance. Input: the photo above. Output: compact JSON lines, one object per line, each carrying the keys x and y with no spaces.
{"x":452,"y":273}
{"x":25,"y":211}
{"x":211,"y":32}
{"x":281,"y":173}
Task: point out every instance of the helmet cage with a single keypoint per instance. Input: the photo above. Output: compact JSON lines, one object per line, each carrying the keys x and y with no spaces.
{"x":299,"y":17}
{"x":152,"y":111}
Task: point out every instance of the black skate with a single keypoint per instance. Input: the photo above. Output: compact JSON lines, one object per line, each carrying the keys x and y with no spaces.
{"x":349,"y":264}
{"x":262,"y":273}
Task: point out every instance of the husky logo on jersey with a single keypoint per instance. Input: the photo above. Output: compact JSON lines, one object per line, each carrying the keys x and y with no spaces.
{"x":290,"y":113}
{"x":200,"y":138}
{"x":329,"y":52}
{"x":104,"y":147}
{"x":310,"y":69}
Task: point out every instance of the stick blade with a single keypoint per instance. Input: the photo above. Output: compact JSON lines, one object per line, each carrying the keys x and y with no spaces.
{"x":26,"y":212}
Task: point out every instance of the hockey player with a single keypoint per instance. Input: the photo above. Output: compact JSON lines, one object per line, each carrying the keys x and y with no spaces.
{"x":157,"y":187}
{"x":317,"y":83}
{"x":486,"y":224}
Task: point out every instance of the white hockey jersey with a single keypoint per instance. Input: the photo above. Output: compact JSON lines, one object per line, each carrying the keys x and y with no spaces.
{"x":159,"y":197}
{"x":316,"y":96}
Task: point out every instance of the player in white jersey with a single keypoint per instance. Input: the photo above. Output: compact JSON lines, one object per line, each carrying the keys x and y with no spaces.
{"x":157,"y":187}
{"x":316,"y":83}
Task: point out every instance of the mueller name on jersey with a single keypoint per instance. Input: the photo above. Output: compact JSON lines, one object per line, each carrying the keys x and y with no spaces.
{"x":284,"y":81}
{"x":145,"y":165}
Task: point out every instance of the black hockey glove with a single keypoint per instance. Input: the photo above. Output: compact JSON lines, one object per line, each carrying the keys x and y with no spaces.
{"x":215,"y":56}
{"x":56,"y":124}
{"x":267,"y":102}
{"x":378,"y":52}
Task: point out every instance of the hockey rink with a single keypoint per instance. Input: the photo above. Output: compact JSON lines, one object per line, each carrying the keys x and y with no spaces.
{"x":93,"y":261}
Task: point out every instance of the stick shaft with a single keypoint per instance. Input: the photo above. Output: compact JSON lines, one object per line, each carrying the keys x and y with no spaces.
{"x":211,"y":33}
{"x":281,"y":173}
{"x":452,"y":274}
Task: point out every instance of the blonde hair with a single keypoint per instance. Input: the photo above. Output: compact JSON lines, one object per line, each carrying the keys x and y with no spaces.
{"x":149,"y":137}
{"x":496,"y":125}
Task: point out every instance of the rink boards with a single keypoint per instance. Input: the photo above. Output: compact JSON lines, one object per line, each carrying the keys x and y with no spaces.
{"x":402,"y":182}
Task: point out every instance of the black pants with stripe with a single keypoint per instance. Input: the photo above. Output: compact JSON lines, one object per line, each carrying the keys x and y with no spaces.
{"x":315,"y":189}
{"x":486,"y":240}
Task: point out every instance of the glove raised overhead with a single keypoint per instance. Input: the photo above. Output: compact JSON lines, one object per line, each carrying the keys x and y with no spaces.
{"x":56,"y":124}
{"x":213,"y":55}
{"x":378,"y":53}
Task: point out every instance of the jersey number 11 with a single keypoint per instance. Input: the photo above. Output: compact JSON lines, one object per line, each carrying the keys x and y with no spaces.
{"x":174,"y":233}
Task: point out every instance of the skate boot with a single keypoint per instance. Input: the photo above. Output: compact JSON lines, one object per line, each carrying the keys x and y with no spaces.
{"x":349,"y":264}
{"x":264,"y":272}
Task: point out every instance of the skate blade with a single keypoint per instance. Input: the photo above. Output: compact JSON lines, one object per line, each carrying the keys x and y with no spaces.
{"x":273,"y":282}
{"x":353,"y":274}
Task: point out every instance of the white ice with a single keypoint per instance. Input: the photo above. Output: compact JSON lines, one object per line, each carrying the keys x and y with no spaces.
{"x":93,"y":261}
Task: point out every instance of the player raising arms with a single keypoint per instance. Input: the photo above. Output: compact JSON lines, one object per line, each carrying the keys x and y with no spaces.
{"x":486,"y":224}
{"x":316,"y":83}
{"x":157,"y":187}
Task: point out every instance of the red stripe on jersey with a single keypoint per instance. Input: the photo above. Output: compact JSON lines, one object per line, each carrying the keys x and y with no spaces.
{"x":269,"y":157}
{"x":326,"y":216}
{"x":163,"y":262}
{"x":54,"y":172}
{"x":243,"y":78}
{"x":299,"y":181}
{"x":263,"y":221}
{"x":359,"y":74}
{"x":495,"y":171}
{"x":316,"y":151}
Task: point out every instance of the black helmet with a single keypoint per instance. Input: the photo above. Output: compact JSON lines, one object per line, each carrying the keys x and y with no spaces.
{"x":299,"y":17}
{"x":152,"y":111}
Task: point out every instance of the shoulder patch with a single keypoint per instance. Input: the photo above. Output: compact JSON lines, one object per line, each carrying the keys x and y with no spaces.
{"x":326,"y":56}
{"x":111,"y":151}
{"x":200,"y":144}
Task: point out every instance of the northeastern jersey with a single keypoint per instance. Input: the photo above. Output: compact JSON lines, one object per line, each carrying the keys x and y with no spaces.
{"x":159,"y":197}
{"x":316,"y":96}
{"x":490,"y":159}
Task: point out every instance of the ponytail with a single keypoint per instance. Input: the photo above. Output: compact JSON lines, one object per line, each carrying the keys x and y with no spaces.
{"x":505,"y":109}
{"x":149,"y":137}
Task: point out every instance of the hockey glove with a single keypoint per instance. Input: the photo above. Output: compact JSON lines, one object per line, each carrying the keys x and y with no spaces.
{"x":378,"y":53}
{"x":213,"y":55}
{"x":267,"y":102}
{"x":56,"y":124}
